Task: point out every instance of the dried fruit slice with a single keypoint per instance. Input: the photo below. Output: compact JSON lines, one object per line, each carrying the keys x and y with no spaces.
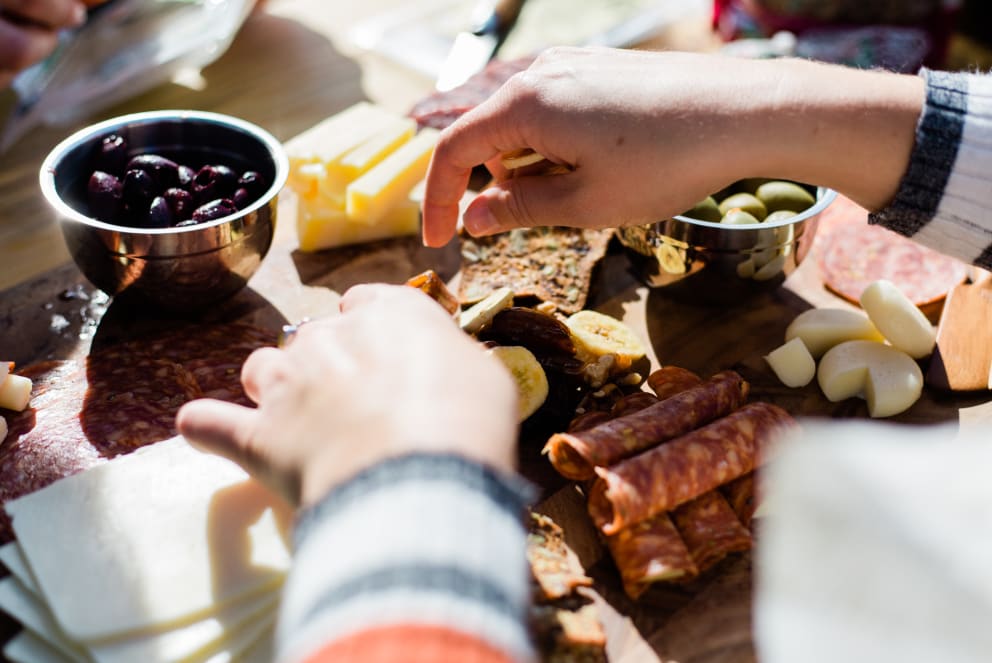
{"x":482,"y":313}
{"x":532,"y":382}
{"x":597,"y":334}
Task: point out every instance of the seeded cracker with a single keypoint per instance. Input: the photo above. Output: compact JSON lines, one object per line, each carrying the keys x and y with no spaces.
{"x":552,"y":264}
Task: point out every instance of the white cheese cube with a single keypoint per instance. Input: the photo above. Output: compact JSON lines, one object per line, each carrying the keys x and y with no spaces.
{"x":15,"y":392}
{"x":792,"y":363}
{"x":901,"y":322}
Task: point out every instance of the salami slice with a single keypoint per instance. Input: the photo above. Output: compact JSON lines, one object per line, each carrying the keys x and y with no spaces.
{"x":852,"y":254}
{"x":575,"y":455}
{"x":648,"y":552}
{"x":710,"y":529}
{"x":632,"y":403}
{"x":741,"y":496}
{"x":674,"y":473}
{"x":670,"y":380}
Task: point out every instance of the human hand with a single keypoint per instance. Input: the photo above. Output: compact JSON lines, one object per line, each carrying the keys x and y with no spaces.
{"x":646,"y":135}
{"x":391,"y":375}
{"x":29,"y":31}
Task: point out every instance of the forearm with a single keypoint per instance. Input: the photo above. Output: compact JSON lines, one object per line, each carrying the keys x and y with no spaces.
{"x":846,"y":129}
{"x":420,"y":558}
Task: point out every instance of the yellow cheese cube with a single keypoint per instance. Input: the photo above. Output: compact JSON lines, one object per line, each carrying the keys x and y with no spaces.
{"x":373,"y":150}
{"x":321,"y":227}
{"x":369,"y":197}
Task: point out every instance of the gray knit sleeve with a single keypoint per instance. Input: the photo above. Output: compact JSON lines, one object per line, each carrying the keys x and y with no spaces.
{"x":944,"y":200}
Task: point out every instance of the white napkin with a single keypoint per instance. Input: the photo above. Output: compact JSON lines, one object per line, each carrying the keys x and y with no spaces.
{"x":877,"y":546}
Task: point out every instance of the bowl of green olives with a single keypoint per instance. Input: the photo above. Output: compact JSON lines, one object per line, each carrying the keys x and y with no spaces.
{"x":178,"y":207}
{"x":744,"y":239}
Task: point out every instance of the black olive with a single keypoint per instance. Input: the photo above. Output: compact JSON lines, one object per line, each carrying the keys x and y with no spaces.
{"x":187,"y":223}
{"x":254,"y":183}
{"x":138,"y":190}
{"x":180,"y":202}
{"x":186,"y":175}
{"x":164,"y":171}
{"x":113,"y":155}
{"x":213,"y":182}
{"x":215,"y":209}
{"x":242,"y":198}
{"x":159,"y":214}
{"x":104,"y":194}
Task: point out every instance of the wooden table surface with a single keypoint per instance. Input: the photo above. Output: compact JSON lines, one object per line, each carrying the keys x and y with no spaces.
{"x":292,"y":66}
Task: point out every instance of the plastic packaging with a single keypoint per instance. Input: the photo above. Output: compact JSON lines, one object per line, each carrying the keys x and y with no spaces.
{"x":125,"y":48}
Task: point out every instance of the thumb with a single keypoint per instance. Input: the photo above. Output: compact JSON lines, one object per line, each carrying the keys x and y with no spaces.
{"x":531,"y":201}
{"x":221,"y":428}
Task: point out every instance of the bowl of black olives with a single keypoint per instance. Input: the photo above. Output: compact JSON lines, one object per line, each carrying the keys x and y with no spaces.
{"x":178,"y":207}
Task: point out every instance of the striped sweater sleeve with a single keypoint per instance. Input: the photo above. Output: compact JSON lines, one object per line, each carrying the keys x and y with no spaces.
{"x":944,"y":200}
{"x":420,"y":558}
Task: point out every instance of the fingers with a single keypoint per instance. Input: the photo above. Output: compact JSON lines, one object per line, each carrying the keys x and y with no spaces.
{"x":219,"y":427}
{"x":23,"y":45}
{"x":53,"y":14}
{"x":264,"y":368}
{"x":539,"y":200}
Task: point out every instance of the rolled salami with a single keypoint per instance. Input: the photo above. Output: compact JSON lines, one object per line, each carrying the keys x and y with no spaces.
{"x":674,"y":473}
{"x":670,"y":380}
{"x":710,"y":529}
{"x":575,"y":455}
{"x":741,"y":496}
{"x":648,"y":552}
{"x":632,"y":403}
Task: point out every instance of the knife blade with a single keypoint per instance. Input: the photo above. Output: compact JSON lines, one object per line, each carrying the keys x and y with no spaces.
{"x":472,"y":51}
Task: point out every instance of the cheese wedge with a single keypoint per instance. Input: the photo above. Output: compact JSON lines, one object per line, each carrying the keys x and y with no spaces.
{"x":159,"y":538}
{"x":901,"y":322}
{"x":822,"y":328}
{"x":889,"y":379}
{"x":319,"y":227}
{"x":373,"y":194}
{"x":792,"y":363}
{"x":372,"y":151}
{"x":339,"y":134}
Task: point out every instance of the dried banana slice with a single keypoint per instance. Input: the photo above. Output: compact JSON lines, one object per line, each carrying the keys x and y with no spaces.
{"x":532,"y":382}
{"x":596,"y":334}
{"x":481,"y":313}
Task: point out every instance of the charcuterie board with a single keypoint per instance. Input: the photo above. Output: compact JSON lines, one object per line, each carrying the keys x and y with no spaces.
{"x":60,"y":316}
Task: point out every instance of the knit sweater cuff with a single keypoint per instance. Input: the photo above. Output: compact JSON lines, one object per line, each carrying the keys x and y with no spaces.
{"x":434,"y":540}
{"x":942,"y":201}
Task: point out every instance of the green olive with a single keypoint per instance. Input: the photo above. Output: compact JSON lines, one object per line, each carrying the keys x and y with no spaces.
{"x":779,"y":215}
{"x":705,"y":210}
{"x":750,"y":184}
{"x":746,"y":202}
{"x":781,"y":195}
{"x":738,"y":217}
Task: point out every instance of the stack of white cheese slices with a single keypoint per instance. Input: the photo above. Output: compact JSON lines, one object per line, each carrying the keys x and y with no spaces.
{"x":165,"y":555}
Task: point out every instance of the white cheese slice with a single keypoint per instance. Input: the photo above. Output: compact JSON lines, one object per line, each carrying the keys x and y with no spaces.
{"x":26,"y":647}
{"x":13,"y":559}
{"x":792,"y":363}
{"x":159,"y":538}
{"x":198,"y":641}
{"x":28,"y":609}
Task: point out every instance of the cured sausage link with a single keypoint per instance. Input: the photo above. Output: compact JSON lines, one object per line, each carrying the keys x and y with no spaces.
{"x":575,"y":455}
{"x":674,"y":473}
{"x":710,"y":529}
{"x":670,"y":380}
{"x":648,"y":552}
{"x":740,"y":494}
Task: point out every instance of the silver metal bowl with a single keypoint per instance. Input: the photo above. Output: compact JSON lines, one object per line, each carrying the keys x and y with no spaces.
{"x":719,"y":263}
{"x":180,"y":269}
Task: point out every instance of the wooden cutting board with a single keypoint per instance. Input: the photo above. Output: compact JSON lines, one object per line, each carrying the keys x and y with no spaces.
{"x":963,"y":358}
{"x":59,"y":315}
